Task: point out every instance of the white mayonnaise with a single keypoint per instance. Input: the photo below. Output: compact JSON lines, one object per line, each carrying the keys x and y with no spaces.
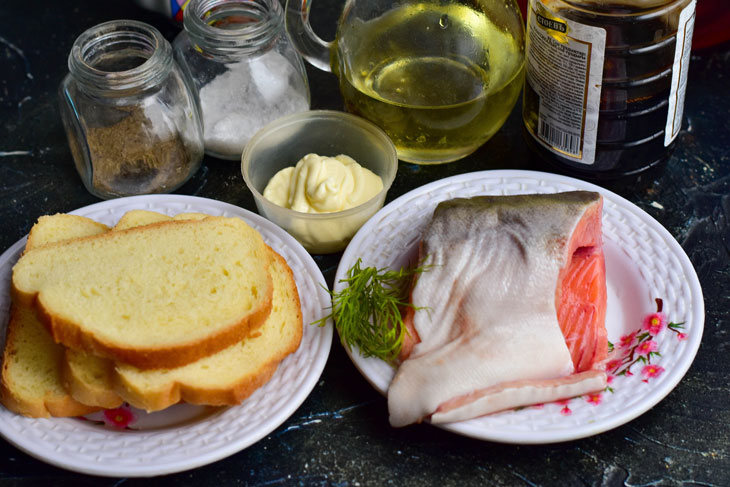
{"x":321,"y":184}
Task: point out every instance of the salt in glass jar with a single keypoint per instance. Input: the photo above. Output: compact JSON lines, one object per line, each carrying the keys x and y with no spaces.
{"x":131,"y":120}
{"x":246,"y":73}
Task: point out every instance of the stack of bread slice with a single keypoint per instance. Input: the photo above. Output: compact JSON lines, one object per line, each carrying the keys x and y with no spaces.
{"x":152,"y":312}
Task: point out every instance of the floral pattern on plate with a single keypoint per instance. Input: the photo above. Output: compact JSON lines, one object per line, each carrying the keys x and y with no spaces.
{"x":643,"y":260}
{"x":636,"y":348}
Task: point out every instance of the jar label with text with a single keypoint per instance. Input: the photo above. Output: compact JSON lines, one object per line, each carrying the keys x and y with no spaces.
{"x":565,"y":69}
{"x":679,"y":72}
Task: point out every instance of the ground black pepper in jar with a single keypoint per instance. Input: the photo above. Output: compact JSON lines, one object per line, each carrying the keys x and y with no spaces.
{"x":132,"y":123}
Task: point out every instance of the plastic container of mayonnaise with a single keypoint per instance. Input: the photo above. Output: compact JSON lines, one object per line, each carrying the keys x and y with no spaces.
{"x":288,"y":140}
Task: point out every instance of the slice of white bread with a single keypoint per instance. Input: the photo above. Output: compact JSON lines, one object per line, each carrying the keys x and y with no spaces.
{"x":96,"y":376}
{"x":231,"y":375}
{"x":62,"y":226}
{"x":138,"y":218}
{"x":180,"y":291}
{"x":88,"y":378}
{"x":31,"y":382}
{"x":225,"y":378}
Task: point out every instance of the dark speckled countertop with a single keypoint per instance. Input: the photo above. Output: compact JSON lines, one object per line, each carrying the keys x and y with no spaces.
{"x":340,"y":434}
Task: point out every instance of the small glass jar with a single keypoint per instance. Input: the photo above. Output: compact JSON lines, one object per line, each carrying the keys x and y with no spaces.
{"x":243,"y":67}
{"x":132,"y":122}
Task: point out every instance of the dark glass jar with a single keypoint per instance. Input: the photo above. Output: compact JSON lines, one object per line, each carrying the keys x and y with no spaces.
{"x":132,"y":122}
{"x":605,"y":84}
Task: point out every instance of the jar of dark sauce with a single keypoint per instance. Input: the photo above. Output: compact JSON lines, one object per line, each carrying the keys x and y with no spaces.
{"x":605,"y":84}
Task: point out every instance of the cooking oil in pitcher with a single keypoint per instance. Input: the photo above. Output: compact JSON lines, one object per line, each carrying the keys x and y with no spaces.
{"x":440,"y":80}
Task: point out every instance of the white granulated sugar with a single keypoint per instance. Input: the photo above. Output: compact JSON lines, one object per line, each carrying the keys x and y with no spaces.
{"x":250,"y":94}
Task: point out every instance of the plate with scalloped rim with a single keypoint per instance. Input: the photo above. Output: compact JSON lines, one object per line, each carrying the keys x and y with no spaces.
{"x":643,"y":263}
{"x":181,"y":437}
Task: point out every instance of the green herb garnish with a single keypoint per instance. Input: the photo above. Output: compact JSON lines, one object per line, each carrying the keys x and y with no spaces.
{"x":367,"y":313}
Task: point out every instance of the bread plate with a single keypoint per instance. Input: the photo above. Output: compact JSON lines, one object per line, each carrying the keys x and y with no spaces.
{"x":183,"y":436}
{"x":643,"y":263}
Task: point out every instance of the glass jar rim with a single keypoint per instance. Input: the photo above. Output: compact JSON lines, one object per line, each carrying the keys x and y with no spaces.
{"x":257,"y":23}
{"x":128,"y":38}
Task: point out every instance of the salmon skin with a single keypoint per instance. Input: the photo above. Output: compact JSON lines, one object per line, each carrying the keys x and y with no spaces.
{"x":511,"y":312}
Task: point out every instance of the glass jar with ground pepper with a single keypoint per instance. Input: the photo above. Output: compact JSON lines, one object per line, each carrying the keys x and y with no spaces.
{"x":132,"y":122}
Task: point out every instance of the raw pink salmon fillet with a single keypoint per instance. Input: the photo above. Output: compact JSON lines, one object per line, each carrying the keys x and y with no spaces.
{"x":514,"y":307}
{"x":581,"y":294}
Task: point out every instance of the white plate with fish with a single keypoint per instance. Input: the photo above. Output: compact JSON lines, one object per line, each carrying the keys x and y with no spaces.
{"x":645,"y":269}
{"x":129,"y":443}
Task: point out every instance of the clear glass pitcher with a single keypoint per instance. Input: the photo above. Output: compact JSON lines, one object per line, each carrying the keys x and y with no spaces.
{"x":439,"y":77}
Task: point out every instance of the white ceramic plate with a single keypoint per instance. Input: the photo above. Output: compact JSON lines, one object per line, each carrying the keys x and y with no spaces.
{"x":181,"y":437}
{"x":643,"y":263}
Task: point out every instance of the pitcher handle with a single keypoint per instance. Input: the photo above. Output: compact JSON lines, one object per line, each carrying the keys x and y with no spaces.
{"x":309,"y":45}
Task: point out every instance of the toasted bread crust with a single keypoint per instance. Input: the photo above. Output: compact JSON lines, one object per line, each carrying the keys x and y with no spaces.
{"x":176,"y":392}
{"x":75,"y":335}
{"x":82,"y":394}
{"x":60,"y":407}
{"x":146,"y":392}
{"x":72,"y":336}
{"x":15,"y":396}
{"x":94,"y":392}
{"x":46,"y":231}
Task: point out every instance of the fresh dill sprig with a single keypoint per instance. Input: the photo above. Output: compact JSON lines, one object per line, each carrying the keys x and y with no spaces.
{"x":367,"y":312}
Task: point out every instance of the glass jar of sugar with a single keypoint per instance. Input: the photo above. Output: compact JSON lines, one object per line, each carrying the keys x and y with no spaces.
{"x":239,"y":59}
{"x":131,"y":120}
